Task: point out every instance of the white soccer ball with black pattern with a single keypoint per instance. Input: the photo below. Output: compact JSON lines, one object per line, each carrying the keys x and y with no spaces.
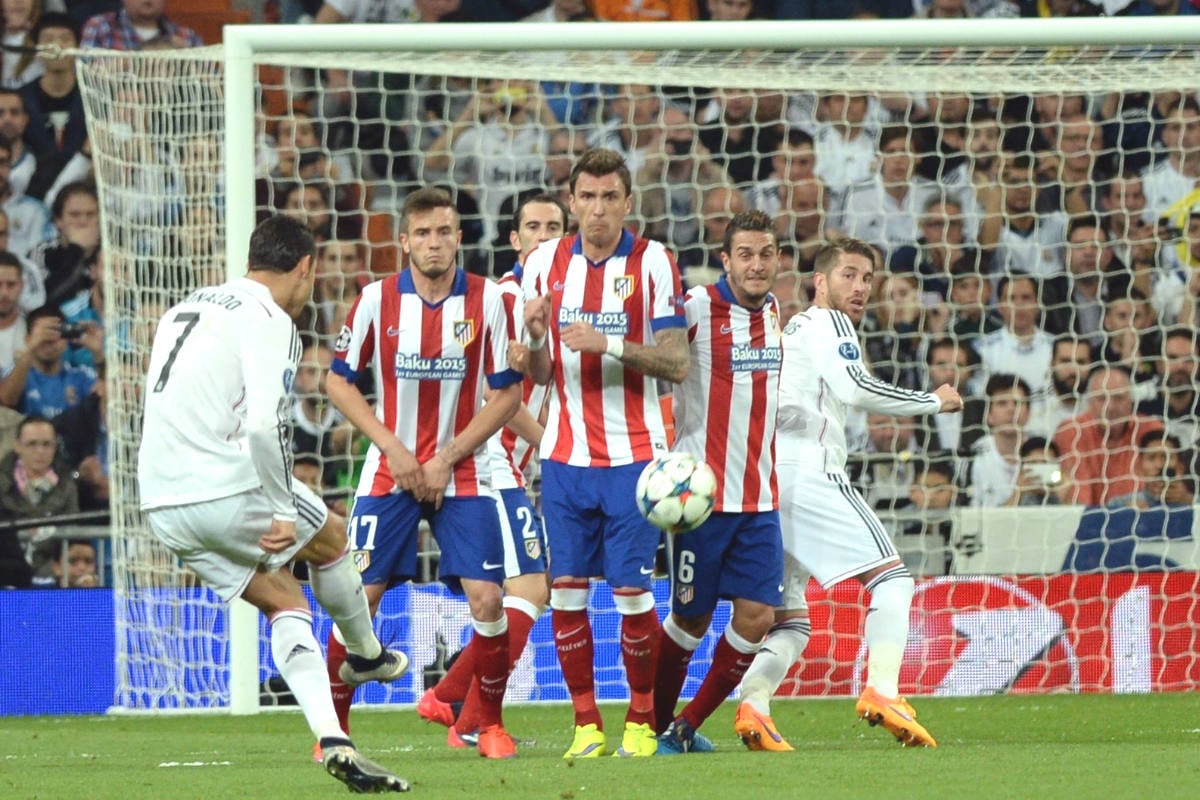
{"x":676,"y":492}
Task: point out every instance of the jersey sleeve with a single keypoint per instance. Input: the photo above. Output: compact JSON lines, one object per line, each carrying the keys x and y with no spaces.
{"x":666,"y":291}
{"x":500,"y":331}
{"x":270,"y":354}
{"x":355,"y":345}
{"x":838,"y":357}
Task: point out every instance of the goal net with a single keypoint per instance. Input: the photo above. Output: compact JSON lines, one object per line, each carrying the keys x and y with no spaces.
{"x":1031,"y":189}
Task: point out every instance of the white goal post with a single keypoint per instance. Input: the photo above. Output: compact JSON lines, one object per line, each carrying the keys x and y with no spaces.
{"x":155,"y":630}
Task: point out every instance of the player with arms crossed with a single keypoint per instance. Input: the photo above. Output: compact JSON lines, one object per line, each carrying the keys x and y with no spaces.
{"x":435,"y":339}
{"x":827,"y":527}
{"x":215,"y":478}
{"x":538,"y":218}
{"x":605,"y":319}
{"x":725,"y":416}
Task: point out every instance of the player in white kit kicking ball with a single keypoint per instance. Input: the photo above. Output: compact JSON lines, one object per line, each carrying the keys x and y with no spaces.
{"x":828,"y":529}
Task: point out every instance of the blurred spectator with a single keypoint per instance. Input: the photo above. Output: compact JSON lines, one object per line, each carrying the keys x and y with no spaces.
{"x":18,"y":17}
{"x":1175,"y":170}
{"x":14,"y":125}
{"x":1022,"y":239}
{"x":56,"y":127}
{"x":971,"y":315}
{"x":645,"y":10}
{"x":728,"y":10}
{"x":670,"y":187}
{"x":33,"y":484}
{"x":1021,"y":347}
{"x":311,"y":203}
{"x":793,"y":162}
{"x":40,"y":382}
{"x":1070,"y":363}
{"x":1177,"y":400}
{"x":309,"y":469}
{"x":949,"y":361}
{"x":737,"y":140}
{"x":701,"y":263}
{"x":884,"y":209}
{"x":1166,"y":477}
{"x":1075,"y":301}
{"x":12,"y":319}
{"x":939,"y":249}
{"x":1076,"y":167}
{"x":1132,"y":340}
{"x":341,"y":274}
{"x":83,"y":442}
{"x":28,"y":220}
{"x":885,"y":470}
{"x":933,"y":493}
{"x":1121,"y":201}
{"x":995,"y":459}
{"x":1150,"y":8}
{"x":1098,"y":447}
{"x":79,"y":571}
{"x":1040,"y":481}
{"x":892,"y":331}
{"x":844,"y":144}
{"x":632,"y":126}
{"x":33,"y":289}
{"x":66,"y":259}
{"x":137,"y":23}
{"x":790,"y":292}
{"x":318,"y":427}
{"x":496,"y":146}
{"x":802,"y":223}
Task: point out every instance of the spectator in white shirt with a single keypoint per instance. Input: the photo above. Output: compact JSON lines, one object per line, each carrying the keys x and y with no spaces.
{"x":996,"y":459}
{"x":1021,"y":347}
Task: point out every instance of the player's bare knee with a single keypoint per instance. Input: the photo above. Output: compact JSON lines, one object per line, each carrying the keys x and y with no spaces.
{"x":272,"y":592}
{"x":530,"y":588}
{"x":485,"y":600}
{"x":752,"y":620}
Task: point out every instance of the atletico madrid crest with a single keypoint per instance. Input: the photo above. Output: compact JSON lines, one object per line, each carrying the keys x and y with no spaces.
{"x":362,"y":560}
{"x":685,"y":593}
{"x":533,"y":548}
{"x":623,"y":286}
{"x":464,"y":331}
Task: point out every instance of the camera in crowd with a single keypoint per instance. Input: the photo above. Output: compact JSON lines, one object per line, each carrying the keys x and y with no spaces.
{"x":72,"y":331}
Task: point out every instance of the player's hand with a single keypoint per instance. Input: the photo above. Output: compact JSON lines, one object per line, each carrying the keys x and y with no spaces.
{"x":537,"y":316}
{"x":406,"y":470}
{"x":581,"y":337}
{"x":281,"y":536}
{"x":437,"y":478}
{"x":951,"y":399}
{"x":518,"y":356}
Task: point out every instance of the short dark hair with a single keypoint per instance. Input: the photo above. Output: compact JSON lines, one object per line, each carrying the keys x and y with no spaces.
{"x":1004,"y":381}
{"x":48,"y":310}
{"x":1087,"y":221}
{"x":828,"y":254}
{"x":938,"y":462}
{"x":1014,"y":275}
{"x":55,"y":19}
{"x":32,"y":419}
{"x":279,"y":244}
{"x":70,"y":190}
{"x":537,"y":197}
{"x":7,"y":259}
{"x":423,"y":200}
{"x":599,"y":162}
{"x":1036,"y":444}
{"x":958,"y":344}
{"x":1150,"y":437}
{"x":752,"y":220}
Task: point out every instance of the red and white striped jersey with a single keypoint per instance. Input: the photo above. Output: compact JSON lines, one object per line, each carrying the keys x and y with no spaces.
{"x":601,"y":413}
{"x":725,"y":408}
{"x":430,"y":363}
{"x":510,"y":454}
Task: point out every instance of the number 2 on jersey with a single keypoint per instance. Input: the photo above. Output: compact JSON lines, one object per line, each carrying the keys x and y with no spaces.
{"x":191,"y":318}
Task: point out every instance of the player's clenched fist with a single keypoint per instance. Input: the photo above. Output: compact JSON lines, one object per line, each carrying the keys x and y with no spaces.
{"x":951,"y":399}
{"x":537,"y":316}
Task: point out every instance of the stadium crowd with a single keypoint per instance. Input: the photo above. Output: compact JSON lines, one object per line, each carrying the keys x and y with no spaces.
{"x":1041,"y":253}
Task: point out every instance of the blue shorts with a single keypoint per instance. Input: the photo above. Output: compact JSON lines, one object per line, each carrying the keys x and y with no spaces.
{"x":383,"y":538}
{"x":593,"y":525}
{"x":521,"y":534}
{"x":730,"y":556}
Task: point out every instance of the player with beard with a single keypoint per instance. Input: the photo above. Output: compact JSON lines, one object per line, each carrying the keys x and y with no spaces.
{"x":828,"y":529}
{"x":436,"y":339}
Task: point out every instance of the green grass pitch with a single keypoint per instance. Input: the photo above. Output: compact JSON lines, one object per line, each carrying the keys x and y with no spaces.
{"x":1043,"y":747}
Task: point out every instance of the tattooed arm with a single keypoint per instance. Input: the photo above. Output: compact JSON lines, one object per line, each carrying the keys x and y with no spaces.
{"x":668,"y":359}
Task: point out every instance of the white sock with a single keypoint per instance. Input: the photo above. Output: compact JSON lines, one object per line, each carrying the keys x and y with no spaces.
{"x":679,"y":636}
{"x":886,"y":629}
{"x":298,"y":658}
{"x":783,"y":647}
{"x":338,"y":588}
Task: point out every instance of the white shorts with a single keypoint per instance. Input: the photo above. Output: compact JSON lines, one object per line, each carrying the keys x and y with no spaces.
{"x":218,"y":539}
{"x":828,"y":527}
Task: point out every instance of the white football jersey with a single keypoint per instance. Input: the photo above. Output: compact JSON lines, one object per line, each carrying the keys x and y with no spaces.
{"x":823,"y":374}
{"x":217,"y":410}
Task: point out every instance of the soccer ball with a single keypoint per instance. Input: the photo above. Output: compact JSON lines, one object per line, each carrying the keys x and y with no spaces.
{"x":676,"y":492}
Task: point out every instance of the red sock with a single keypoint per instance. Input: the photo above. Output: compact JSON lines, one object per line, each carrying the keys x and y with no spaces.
{"x":343,"y":695}
{"x":725,"y":673}
{"x":639,"y":652}
{"x":669,"y":676}
{"x":519,"y":625}
{"x":453,"y":686}
{"x":491,"y":676}
{"x":573,"y":640}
